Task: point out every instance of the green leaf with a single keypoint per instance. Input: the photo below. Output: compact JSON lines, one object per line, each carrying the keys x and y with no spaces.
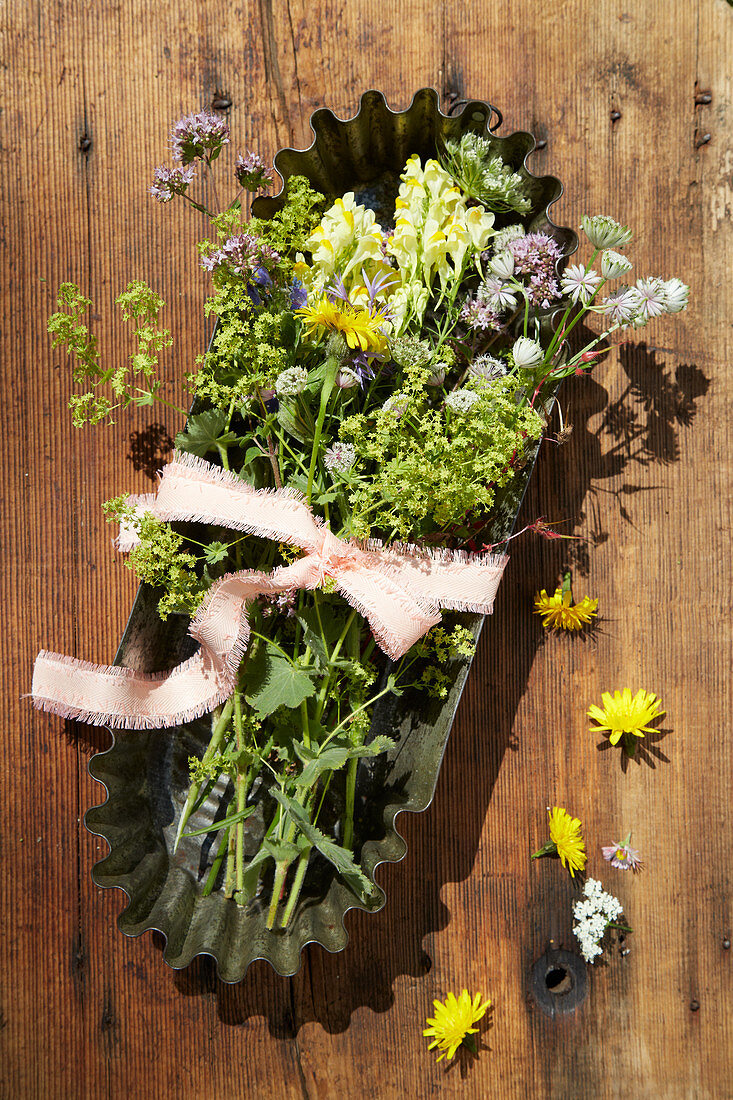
{"x":283,"y":851}
{"x":216,"y":552}
{"x":335,"y":755}
{"x":225,"y":823}
{"x":332,"y":624}
{"x":272,"y":681}
{"x":205,"y":432}
{"x":341,"y":859}
{"x":293,"y":425}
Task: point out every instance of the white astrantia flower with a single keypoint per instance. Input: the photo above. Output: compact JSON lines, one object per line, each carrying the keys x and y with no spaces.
{"x":580,"y":283}
{"x":527,"y":353}
{"x":593,"y":915}
{"x":677,"y":294}
{"x":652,"y":294}
{"x":621,"y":306}
{"x":437,"y":378}
{"x":613,"y":264}
{"x":346,"y":379}
{"x":487,"y":368}
{"x":604,"y":232}
{"x":495,"y":293}
{"x":461,"y":401}
{"x":397,"y":403}
{"x":291,"y":382}
{"x":502,"y":265}
{"x":340,"y":457}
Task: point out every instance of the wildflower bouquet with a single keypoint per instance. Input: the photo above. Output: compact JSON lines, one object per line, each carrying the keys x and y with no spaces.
{"x":380,"y":373}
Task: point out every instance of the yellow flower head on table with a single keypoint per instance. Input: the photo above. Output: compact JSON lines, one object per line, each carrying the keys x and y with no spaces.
{"x":559,"y":612}
{"x":566,"y":840}
{"x":452,"y":1021}
{"x":361,"y":328}
{"x":624,"y":713}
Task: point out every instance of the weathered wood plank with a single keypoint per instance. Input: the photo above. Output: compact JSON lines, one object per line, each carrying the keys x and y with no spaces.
{"x":89,"y":1014}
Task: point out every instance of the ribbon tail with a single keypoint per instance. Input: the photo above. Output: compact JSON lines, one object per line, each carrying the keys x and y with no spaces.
{"x":396,"y":618}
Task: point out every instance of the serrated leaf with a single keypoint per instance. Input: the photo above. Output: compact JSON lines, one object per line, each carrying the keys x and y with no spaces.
{"x":272,"y":682}
{"x":216,"y":552}
{"x":205,"y":432}
{"x":293,"y":425}
{"x":341,"y":859}
{"x":283,"y":851}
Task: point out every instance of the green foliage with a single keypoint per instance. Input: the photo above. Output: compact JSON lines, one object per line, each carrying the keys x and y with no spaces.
{"x":275,"y":681}
{"x":204,"y":432}
{"x":431,"y":469}
{"x":288,"y":231}
{"x":484,"y":176}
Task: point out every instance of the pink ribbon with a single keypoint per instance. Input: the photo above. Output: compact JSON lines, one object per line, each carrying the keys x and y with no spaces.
{"x":399,"y":590}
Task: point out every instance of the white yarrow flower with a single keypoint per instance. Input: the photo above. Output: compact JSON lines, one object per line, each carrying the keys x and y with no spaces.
{"x":592,"y":916}
{"x":291,"y":382}
{"x":677,"y":294}
{"x":604,"y":232}
{"x":613,"y":264}
{"x":527,"y":353}
{"x":506,"y":236}
{"x":461,"y":401}
{"x":502,"y":265}
{"x":579,"y":283}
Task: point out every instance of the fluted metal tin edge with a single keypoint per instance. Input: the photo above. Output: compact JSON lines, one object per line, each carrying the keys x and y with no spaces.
{"x":163,"y":896}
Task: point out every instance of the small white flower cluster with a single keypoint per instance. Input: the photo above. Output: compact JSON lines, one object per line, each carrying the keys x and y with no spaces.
{"x":340,"y":457}
{"x":291,"y":382}
{"x":461,"y":401}
{"x":593,"y":915}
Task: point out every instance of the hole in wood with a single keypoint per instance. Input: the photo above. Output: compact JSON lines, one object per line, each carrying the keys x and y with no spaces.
{"x":558,"y":980}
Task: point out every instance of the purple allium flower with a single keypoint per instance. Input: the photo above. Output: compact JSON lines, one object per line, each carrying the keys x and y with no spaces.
{"x":194,"y":136}
{"x":536,"y":255}
{"x":479,"y":315}
{"x":168,"y":182}
{"x":622,"y":855}
{"x":251,"y":173}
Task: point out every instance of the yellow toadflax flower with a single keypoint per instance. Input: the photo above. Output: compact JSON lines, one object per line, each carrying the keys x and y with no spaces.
{"x":627,"y":716}
{"x":361,"y":328}
{"x":452,"y":1022}
{"x":565,"y":841}
{"x":560,"y":612}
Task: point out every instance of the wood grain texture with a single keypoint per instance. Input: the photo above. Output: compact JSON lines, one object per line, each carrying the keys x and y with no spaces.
{"x":89,"y":92}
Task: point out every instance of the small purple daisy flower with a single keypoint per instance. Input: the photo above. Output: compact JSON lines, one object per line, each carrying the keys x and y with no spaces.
{"x":622,"y":855}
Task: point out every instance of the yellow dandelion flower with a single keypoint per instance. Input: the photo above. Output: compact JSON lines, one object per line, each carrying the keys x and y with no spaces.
{"x":559,"y":611}
{"x":452,"y":1022}
{"x":566,"y":840}
{"x":361,"y":328}
{"x":626,"y":714}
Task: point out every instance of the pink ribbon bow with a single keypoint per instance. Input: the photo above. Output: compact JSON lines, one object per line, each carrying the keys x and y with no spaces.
{"x":399,"y":590}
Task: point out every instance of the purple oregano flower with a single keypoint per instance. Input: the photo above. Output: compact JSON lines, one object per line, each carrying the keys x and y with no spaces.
{"x":251,"y":173}
{"x":168,"y":182}
{"x":197,"y":136}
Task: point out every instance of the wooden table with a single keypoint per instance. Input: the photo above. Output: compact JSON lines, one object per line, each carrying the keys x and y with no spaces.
{"x":632,"y":103}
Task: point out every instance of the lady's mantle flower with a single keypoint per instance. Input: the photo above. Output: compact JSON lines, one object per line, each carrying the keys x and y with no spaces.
{"x":361,"y":328}
{"x":168,"y":182}
{"x":622,"y":855}
{"x":559,"y":612}
{"x":251,"y":173}
{"x":579,"y":283}
{"x":613,"y":264}
{"x":627,"y":716}
{"x":604,"y":232}
{"x":527,"y":353}
{"x":594,"y":914}
{"x":565,"y":841}
{"x":340,"y":457}
{"x":452,"y":1022}
{"x":291,"y":382}
{"x":197,"y":136}
{"x":461,"y":401}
